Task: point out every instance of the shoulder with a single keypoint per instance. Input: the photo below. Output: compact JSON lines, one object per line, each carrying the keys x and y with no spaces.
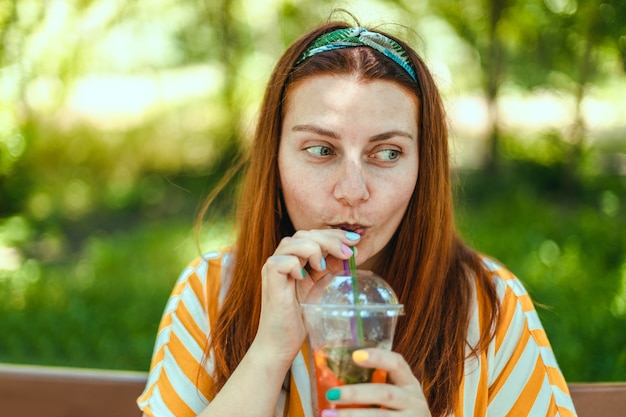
{"x":211,"y":269}
{"x":516,"y":318}
{"x":201,"y":287}
{"x":209,"y":263}
{"x":502,"y":287}
{"x":179,"y":358}
{"x":518,"y":325}
{"x":496,"y":268}
{"x":516,"y":309}
{"x":504,"y":280}
{"x":521,"y":361}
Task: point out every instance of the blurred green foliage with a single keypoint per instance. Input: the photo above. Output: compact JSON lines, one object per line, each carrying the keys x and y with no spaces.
{"x":117,"y":118}
{"x":101,"y":306}
{"x":567,"y":245}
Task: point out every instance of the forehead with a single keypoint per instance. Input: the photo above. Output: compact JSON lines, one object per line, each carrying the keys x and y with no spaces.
{"x":346,"y":93}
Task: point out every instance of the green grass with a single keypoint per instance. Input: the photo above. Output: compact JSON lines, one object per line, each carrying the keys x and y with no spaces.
{"x":100,"y":308}
{"x":570,"y":252}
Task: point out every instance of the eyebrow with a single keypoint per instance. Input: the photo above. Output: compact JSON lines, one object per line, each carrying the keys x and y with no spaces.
{"x":330,"y":134}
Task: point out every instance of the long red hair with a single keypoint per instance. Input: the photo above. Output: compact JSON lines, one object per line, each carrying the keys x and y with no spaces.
{"x":428,"y":266}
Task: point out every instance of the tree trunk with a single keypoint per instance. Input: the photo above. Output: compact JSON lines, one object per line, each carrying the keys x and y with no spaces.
{"x":578,"y":131}
{"x":494,"y":71}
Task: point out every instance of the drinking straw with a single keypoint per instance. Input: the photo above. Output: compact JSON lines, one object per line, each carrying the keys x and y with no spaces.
{"x":355,"y":297}
{"x":353,"y":329}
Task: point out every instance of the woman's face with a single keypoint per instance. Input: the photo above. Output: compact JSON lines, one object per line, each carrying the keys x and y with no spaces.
{"x":348,"y":157}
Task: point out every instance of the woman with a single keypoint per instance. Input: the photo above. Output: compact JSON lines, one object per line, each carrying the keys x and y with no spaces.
{"x":351,"y":151}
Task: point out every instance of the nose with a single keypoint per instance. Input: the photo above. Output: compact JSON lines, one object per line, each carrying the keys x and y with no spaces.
{"x":351,"y":186}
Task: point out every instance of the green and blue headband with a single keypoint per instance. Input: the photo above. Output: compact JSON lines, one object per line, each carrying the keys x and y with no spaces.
{"x":359,"y":36}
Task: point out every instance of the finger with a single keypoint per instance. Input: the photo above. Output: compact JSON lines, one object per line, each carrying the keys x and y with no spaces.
{"x":339,"y":243}
{"x":305,"y":249}
{"x":360,"y":412}
{"x":398,"y":370}
{"x":289,"y":266}
{"x":389,"y":396}
{"x":313,"y":246}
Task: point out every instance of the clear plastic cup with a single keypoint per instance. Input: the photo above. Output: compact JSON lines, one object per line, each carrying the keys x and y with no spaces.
{"x":343,"y":314}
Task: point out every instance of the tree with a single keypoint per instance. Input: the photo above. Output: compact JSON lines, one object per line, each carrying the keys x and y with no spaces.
{"x":483,"y":24}
{"x":524,"y":43}
{"x":581,"y":42}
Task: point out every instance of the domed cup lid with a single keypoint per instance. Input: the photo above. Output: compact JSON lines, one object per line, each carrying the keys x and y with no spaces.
{"x":364,"y":291}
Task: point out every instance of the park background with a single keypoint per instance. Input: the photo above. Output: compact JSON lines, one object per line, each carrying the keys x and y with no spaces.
{"x":117,"y":118}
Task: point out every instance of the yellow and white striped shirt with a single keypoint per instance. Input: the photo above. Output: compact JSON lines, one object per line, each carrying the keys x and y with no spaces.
{"x":516,"y":376}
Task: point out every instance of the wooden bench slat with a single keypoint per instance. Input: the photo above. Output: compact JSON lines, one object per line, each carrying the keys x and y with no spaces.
{"x":599,"y":399}
{"x":64,"y":392}
{"x":68,"y":392}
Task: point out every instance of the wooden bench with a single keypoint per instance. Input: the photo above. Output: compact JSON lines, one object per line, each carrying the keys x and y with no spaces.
{"x":599,"y":399}
{"x":29,"y":391}
{"x":37,"y":391}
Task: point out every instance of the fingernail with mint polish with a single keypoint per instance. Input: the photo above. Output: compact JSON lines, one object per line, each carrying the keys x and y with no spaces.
{"x":303,"y":273}
{"x":333,"y":394}
{"x":353,"y":236}
{"x":329,"y":413}
{"x":323,"y":264}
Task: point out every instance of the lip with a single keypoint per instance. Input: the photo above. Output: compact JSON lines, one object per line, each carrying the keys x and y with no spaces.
{"x":356,"y":228}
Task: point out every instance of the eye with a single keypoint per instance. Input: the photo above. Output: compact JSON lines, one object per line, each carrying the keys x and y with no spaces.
{"x":320,"y":150}
{"x":388,"y":154}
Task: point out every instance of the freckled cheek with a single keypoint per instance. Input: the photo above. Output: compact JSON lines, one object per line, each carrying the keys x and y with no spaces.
{"x":303,"y":202}
{"x":398,"y":198}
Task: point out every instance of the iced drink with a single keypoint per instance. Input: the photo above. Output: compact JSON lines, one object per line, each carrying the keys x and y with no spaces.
{"x":343,"y":314}
{"x":334,"y":367}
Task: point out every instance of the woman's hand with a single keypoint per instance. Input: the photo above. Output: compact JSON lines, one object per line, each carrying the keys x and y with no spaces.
{"x":281,"y":330}
{"x":402,"y":396}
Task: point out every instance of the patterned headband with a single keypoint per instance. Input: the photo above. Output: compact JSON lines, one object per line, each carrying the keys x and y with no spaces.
{"x":359,"y":36}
